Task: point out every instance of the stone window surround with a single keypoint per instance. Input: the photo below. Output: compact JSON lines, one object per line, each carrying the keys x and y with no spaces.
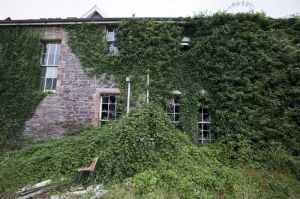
{"x":97,"y":99}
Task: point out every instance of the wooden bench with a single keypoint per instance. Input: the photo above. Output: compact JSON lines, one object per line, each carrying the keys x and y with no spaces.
{"x":91,"y":167}
{"x":87,"y":169}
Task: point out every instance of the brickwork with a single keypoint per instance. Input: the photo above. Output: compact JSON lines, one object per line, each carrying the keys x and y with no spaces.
{"x":77,"y":95}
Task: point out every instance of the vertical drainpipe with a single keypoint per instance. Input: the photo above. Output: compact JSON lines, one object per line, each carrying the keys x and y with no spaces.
{"x":128,"y":94}
{"x":148,"y":82}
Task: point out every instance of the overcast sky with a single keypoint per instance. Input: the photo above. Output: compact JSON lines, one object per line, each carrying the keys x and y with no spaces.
{"x":32,"y":9}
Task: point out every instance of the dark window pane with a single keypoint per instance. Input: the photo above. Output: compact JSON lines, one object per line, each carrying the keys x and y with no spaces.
{"x":48,"y":84}
{"x":104,"y":107}
{"x":104,"y":115}
{"x":112,"y":99}
{"x":177,"y":116}
{"x":177,"y":108}
{"x":112,"y":107}
{"x":105,"y":99}
{"x":206,"y":118}
{"x":176,"y":100}
{"x":205,"y":110}
{"x":205,"y":126}
{"x":54,"y":84}
{"x":206,"y":134}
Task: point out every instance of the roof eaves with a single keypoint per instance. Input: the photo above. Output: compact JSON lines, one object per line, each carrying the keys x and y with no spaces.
{"x":59,"y":21}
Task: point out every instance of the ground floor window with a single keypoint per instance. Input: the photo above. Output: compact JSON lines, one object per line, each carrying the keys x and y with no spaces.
{"x":204,"y":134}
{"x":108,"y":109}
{"x":173,"y":110}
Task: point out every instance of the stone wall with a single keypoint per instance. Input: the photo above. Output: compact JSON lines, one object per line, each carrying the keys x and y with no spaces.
{"x":76,"y":99}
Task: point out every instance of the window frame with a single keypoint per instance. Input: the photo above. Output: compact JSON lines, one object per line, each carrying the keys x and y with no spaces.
{"x":172,"y":112}
{"x":102,"y":121}
{"x":46,"y":66}
{"x":201,"y":121}
{"x":111,"y":41}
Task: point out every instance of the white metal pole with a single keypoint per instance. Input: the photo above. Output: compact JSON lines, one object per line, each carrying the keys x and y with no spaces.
{"x":128,"y":95}
{"x":148,"y":83}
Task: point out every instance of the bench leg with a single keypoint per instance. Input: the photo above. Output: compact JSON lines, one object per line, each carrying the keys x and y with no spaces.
{"x":79,"y":178}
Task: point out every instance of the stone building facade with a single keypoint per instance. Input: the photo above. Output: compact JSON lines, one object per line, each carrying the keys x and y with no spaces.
{"x":77,"y":95}
{"x":76,"y":98}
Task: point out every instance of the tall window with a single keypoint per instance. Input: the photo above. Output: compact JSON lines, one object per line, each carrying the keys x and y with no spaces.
{"x":50,"y":62}
{"x":108,"y":109}
{"x":203,"y":135}
{"x":173,"y":110}
{"x":110,"y":39}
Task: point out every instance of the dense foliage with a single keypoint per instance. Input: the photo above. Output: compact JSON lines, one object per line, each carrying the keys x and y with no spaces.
{"x":245,"y":67}
{"x":248,"y":65}
{"x":20,"y":73}
{"x":145,"y":151}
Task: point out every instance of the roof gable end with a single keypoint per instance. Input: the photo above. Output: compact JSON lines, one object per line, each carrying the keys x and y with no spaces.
{"x":94,"y":12}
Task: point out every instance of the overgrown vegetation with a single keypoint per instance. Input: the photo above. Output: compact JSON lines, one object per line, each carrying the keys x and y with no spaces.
{"x":20,"y":73}
{"x":248,"y":65}
{"x":145,"y":153}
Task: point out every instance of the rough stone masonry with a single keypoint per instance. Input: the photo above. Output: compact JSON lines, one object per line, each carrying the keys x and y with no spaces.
{"x":76,"y":99}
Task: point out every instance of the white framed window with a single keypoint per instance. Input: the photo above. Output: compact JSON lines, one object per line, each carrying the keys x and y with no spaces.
{"x":110,"y":35}
{"x":110,"y":39}
{"x":108,"y":109}
{"x":173,"y":110}
{"x":204,"y":135}
{"x":49,"y":63}
{"x":185,"y":41}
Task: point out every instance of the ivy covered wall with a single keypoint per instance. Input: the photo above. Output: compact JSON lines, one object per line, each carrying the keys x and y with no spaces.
{"x":248,"y":65}
{"x":20,"y":73}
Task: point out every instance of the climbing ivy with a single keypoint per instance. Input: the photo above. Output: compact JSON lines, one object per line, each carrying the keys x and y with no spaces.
{"x":245,"y":67}
{"x":20,"y":73}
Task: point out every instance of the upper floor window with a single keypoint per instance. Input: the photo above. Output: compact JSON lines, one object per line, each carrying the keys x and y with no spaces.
{"x":51,"y":54}
{"x":185,"y":41}
{"x":173,"y":110}
{"x":110,"y":35}
{"x":204,"y":135}
{"x":49,"y":63}
{"x":108,"y":109}
{"x":110,"y":39}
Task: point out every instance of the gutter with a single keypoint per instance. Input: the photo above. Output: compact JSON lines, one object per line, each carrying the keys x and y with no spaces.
{"x":54,"y":22}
